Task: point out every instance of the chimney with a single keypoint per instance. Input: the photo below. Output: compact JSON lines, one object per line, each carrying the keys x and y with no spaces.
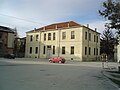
{"x":43,"y":28}
{"x":34,"y":29}
{"x":95,"y":29}
{"x":88,"y":25}
{"x":68,"y":25}
{"x":55,"y":26}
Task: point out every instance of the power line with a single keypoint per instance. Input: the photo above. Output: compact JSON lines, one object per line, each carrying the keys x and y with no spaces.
{"x":7,"y":24}
{"x":20,"y":19}
{"x":13,"y":25}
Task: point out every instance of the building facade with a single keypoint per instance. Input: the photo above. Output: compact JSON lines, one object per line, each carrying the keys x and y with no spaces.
{"x":118,"y":53}
{"x":7,"y":37}
{"x":68,"y":39}
{"x":19,"y":47}
{"x":118,"y":50}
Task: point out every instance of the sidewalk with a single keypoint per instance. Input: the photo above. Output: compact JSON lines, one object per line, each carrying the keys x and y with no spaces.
{"x":67,"y":63}
{"x":113,"y":74}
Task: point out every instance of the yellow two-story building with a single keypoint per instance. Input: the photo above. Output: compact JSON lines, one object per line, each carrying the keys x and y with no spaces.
{"x":68,"y":39}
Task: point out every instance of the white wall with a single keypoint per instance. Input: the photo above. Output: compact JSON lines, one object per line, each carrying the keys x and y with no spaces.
{"x":118,"y":52}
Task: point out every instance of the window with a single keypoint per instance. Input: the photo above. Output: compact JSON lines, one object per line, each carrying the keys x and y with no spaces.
{"x":37,"y":37}
{"x":63,"y":50}
{"x":1,"y":35}
{"x":5,"y":44}
{"x":63,"y":35}
{"x":72,"y":35}
{"x":94,"y":38}
{"x":85,"y":50}
{"x":97,"y":52}
{"x":5,"y":36}
{"x":49,"y":36}
{"x":49,"y":47}
{"x":44,"y":49}
{"x":53,"y":36}
{"x":31,"y":38}
{"x":89,"y":50}
{"x":53,"y":49}
{"x":94,"y":51}
{"x":97,"y":39}
{"x":85,"y":35}
{"x":72,"y":50}
{"x":45,"y":37}
{"x":36,"y":50}
{"x":89,"y":36}
{"x":1,"y":46}
{"x":30,"y":50}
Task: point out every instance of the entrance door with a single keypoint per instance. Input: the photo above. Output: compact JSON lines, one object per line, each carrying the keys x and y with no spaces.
{"x":48,"y":51}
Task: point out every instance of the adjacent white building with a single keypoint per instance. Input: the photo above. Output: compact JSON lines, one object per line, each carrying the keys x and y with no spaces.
{"x":118,"y":52}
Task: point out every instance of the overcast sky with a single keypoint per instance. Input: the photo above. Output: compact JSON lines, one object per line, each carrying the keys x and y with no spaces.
{"x":26,"y":15}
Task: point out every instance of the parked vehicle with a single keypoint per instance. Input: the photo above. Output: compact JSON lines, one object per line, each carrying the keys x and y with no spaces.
{"x":57,"y":60}
{"x":10,"y":56}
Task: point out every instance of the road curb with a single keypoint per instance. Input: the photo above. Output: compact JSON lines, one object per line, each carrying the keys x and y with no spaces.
{"x":107,"y":74}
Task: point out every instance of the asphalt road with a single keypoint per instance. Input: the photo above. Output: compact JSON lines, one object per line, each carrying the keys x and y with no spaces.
{"x":26,"y":74}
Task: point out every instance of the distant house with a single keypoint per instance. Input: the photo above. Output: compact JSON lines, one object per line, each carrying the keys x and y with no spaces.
{"x":7,"y":37}
{"x":67,"y":39}
{"x":19,"y":47}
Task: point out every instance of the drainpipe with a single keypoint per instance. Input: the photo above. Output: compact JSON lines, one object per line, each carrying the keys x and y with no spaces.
{"x":88,"y":42}
{"x":39,"y":44}
{"x":88,"y":47}
{"x":59,"y":44}
{"x":96,"y":43}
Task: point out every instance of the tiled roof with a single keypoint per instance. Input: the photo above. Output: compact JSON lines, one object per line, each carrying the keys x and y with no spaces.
{"x":6,"y":29}
{"x":58,"y":26}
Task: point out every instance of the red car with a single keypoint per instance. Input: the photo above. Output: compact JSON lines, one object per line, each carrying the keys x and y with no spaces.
{"x":57,"y":60}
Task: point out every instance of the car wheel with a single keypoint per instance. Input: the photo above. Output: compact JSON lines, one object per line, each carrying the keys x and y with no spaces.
{"x":60,"y":62}
{"x":50,"y":61}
